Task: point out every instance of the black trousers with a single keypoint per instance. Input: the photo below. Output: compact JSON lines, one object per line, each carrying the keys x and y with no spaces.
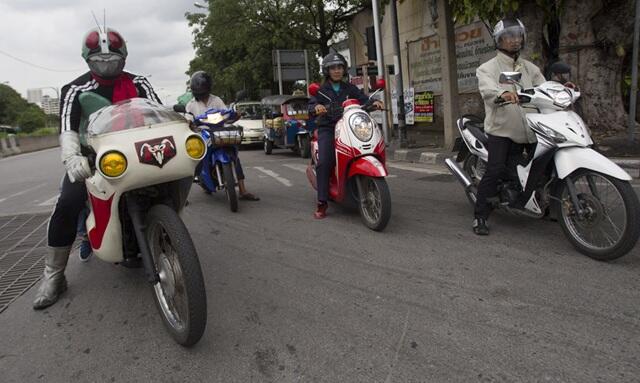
{"x":326,"y":161}
{"x":64,"y":220}
{"x":503,"y":154}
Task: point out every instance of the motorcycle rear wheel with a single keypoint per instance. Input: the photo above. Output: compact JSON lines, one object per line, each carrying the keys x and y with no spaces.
{"x":180,"y":295}
{"x":475,"y":168}
{"x":597,"y":234}
{"x":374,"y":202}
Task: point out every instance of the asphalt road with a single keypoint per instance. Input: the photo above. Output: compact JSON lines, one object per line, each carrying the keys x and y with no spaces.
{"x":292,"y":299}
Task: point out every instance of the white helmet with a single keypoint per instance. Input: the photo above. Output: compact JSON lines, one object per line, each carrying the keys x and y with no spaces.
{"x":509,"y":28}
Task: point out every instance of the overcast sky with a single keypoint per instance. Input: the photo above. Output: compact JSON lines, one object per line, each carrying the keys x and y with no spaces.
{"x":49,"y":33}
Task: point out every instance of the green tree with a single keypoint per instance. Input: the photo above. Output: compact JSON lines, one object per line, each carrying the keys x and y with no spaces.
{"x":235,"y":40}
{"x":31,"y":119}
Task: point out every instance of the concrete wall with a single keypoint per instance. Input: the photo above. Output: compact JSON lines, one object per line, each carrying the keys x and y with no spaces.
{"x":15,"y":145}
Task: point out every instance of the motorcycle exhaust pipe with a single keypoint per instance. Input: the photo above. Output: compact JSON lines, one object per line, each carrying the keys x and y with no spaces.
{"x":458,"y":173}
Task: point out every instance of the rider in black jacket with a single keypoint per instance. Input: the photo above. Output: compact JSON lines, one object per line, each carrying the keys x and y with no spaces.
{"x":105,"y":52}
{"x":326,"y":106}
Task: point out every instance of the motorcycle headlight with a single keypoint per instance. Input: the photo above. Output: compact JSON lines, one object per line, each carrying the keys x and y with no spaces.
{"x":195,"y":147}
{"x":361,"y":126}
{"x":546,"y":131}
{"x":113,"y":164}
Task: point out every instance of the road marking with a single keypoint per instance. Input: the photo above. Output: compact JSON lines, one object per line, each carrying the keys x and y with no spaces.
{"x":416,"y":169}
{"x":299,"y":167}
{"x":21,"y":192}
{"x":50,"y":201}
{"x":274,"y":175}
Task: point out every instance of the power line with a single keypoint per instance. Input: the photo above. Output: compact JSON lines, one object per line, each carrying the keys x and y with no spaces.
{"x":38,"y":66}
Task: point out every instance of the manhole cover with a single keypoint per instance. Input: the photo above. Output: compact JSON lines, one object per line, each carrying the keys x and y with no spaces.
{"x":438,"y":178}
{"x":23,"y":245}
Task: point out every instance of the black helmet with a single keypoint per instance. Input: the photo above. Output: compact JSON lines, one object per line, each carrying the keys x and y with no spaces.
{"x":200,"y":84}
{"x":333,"y":59}
{"x":509,"y":27}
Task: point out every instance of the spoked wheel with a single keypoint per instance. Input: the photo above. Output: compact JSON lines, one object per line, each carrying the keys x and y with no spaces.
{"x":609,"y":225}
{"x":374,"y":202}
{"x":180,"y":294}
{"x":475,"y":169}
{"x":230,"y":186}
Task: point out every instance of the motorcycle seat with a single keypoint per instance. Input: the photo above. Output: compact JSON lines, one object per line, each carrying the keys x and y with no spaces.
{"x":478,"y":132}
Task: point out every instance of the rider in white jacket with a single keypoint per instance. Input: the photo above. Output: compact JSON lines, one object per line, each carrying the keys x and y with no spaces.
{"x":505,"y":125}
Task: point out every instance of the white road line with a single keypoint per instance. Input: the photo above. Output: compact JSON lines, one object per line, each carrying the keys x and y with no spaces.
{"x":299,"y":167}
{"x":416,"y":169}
{"x":274,"y":175}
{"x":50,"y":201}
{"x":21,"y":192}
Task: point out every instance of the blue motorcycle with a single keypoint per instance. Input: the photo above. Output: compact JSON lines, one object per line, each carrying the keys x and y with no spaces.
{"x":217,"y":169}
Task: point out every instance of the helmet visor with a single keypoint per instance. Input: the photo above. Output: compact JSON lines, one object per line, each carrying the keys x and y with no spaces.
{"x":511,"y":38}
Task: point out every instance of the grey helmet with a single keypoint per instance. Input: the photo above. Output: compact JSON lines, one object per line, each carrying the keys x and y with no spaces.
{"x":333,"y":59}
{"x":509,"y":27}
{"x":105,"y":51}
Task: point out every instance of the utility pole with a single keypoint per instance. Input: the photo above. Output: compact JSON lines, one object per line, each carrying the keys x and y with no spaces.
{"x":279,"y":71}
{"x":397,"y":62}
{"x":633,"y":100}
{"x":446,"y":36}
{"x":380,"y":62}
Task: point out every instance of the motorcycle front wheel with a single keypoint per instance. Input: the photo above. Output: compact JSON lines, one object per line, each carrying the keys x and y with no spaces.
{"x":180,"y":295}
{"x":610,"y":224}
{"x":230,"y":186}
{"x":374,"y":202}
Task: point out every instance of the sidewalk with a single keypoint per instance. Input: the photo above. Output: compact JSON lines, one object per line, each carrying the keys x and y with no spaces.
{"x":436,"y":156}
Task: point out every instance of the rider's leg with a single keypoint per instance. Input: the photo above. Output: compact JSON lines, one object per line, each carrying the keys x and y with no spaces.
{"x":326,"y":163}
{"x":499,"y":148}
{"x":244,"y":194}
{"x":61,"y":234}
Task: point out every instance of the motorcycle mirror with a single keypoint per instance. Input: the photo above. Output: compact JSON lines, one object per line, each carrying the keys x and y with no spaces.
{"x":179,"y":108}
{"x":380,"y":83}
{"x":510,"y":77}
{"x":314,"y":88}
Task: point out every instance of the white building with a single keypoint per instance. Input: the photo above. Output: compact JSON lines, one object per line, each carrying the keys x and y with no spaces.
{"x":50,"y":105}
{"x":34,"y":95}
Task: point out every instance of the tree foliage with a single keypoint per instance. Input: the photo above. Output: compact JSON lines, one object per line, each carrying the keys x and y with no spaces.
{"x":16,"y":111}
{"x":235,"y":40}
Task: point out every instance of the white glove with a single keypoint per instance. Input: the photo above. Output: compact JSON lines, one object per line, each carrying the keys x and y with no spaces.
{"x":76,"y":164}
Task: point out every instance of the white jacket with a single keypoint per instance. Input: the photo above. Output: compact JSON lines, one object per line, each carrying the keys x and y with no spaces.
{"x":509,"y":120}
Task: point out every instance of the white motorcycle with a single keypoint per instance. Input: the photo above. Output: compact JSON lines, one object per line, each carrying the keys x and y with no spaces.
{"x":591,"y":196}
{"x":144,"y":158}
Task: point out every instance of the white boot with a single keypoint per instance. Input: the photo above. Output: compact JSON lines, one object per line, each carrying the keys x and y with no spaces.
{"x":53,"y":281}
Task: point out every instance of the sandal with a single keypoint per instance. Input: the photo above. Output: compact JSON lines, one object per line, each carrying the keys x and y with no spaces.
{"x":249,"y":197}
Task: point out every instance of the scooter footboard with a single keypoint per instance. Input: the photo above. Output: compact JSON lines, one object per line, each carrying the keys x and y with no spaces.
{"x":367,"y":166}
{"x":568,"y":160}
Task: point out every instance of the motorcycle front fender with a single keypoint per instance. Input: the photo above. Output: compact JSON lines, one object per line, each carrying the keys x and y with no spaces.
{"x":221,"y":155}
{"x":367,"y":166}
{"x":568,"y":160}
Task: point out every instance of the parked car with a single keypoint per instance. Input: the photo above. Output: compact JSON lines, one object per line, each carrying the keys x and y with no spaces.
{"x":251,"y":121}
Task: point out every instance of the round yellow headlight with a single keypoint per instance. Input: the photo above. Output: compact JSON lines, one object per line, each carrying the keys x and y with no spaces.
{"x":113,"y":164}
{"x":195,"y":147}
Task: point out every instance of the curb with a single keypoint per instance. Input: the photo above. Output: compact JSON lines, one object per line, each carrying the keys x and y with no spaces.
{"x":436,"y":156}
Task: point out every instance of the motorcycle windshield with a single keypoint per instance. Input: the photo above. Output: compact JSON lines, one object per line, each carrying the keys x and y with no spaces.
{"x":130,"y":114}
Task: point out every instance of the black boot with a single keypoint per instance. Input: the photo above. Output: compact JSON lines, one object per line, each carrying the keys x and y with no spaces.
{"x":480,"y":226}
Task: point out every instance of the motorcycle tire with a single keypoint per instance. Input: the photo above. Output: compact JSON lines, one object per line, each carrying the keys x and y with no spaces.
{"x":268,"y":147}
{"x":631,"y":231}
{"x":180,"y":274}
{"x":469,"y":167}
{"x":230,"y":186}
{"x":305,"y":146}
{"x":374,"y":202}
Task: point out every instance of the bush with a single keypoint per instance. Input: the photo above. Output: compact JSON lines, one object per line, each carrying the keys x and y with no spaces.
{"x":42,"y":132}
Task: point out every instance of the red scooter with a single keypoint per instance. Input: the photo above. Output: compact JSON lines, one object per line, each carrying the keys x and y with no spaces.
{"x":359,"y":174}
